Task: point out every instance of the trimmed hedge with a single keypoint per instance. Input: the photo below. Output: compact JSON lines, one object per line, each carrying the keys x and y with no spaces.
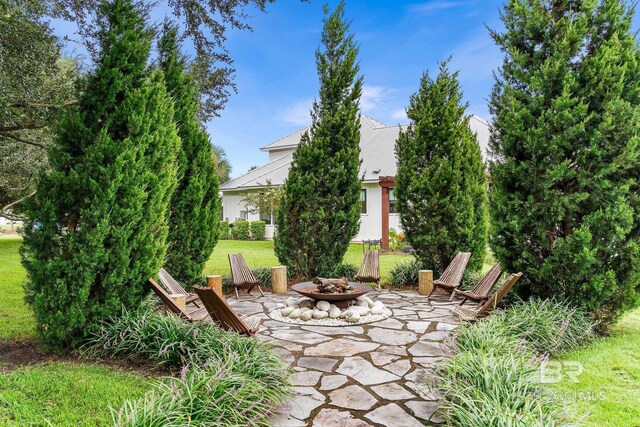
{"x":241,"y":230}
{"x":224,"y":230}
{"x":258,"y":230}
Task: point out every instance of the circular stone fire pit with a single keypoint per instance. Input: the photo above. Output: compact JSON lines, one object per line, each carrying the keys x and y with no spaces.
{"x":341,"y":300}
{"x":330,"y":309}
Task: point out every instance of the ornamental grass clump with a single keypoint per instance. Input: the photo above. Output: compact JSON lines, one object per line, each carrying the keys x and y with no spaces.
{"x":213,"y":394}
{"x":226,"y":378}
{"x":494,"y":377}
{"x":406,"y":273}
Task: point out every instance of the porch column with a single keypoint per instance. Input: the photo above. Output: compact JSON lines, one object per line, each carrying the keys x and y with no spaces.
{"x":386,"y":182}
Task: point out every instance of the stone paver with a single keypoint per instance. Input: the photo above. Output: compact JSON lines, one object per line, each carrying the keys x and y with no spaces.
{"x":370,"y":375}
{"x":364,"y":372}
{"x":393,"y":415}
{"x":352,"y":397}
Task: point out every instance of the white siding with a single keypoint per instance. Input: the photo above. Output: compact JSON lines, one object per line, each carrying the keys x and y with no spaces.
{"x":276,"y":154}
{"x":370,"y":223}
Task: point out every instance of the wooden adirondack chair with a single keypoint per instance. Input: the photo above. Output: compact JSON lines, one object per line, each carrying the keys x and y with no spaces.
{"x":242,"y":275}
{"x":370,"y":268}
{"x":173,"y":287}
{"x":490,"y":304}
{"x":189,"y":316}
{"x":481,"y":291}
{"x":452,"y":275}
{"x":222,"y":313}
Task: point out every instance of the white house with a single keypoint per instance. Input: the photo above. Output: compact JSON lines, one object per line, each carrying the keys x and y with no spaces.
{"x":377,"y":149}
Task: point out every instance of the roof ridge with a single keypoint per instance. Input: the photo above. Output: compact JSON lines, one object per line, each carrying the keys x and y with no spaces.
{"x":285,"y":137}
{"x":262,"y":167}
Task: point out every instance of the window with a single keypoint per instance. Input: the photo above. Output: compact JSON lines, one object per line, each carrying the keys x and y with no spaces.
{"x":392,"y":201}
{"x":266,"y":217}
{"x":363,"y":201}
{"x":244,"y":215}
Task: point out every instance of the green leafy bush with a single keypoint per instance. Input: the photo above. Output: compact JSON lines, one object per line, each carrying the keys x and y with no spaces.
{"x":224,"y":230}
{"x":241,"y":230}
{"x":493,"y":379}
{"x":258,"y":230}
{"x":406,"y":273}
{"x":341,"y":270}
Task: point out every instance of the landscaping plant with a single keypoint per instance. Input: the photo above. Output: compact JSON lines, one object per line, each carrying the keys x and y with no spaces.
{"x":241,"y":230}
{"x":319,"y":212}
{"x":215,"y":395}
{"x":406,"y":273}
{"x":441,"y":187}
{"x":97,"y":227}
{"x":493,"y":379}
{"x":258,"y":230}
{"x":565,"y":134}
{"x":195,"y":204}
{"x":227,"y":378}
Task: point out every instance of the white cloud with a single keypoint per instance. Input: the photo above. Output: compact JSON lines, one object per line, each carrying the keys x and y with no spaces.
{"x":437,"y":5}
{"x":400,"y":115}
{"x":372,"y":97}
{"x":477,"y":59}
{"x":298,"y":114}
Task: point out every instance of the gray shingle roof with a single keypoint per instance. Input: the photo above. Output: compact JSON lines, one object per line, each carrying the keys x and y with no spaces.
{"x":377,"y":146}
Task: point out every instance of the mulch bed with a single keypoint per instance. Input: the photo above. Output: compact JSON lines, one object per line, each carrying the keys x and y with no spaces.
{"x":18,"y":354}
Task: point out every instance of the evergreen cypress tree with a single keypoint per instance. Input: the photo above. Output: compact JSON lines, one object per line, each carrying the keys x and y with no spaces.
{"x":565,"y":134}
{"x":98,"y":225}
{"x":195,"y":205}
{"x":319,"y":212}
{"x":441,"y":186}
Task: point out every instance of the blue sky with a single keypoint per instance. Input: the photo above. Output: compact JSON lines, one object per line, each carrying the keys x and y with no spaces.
{"x":399,"y":40}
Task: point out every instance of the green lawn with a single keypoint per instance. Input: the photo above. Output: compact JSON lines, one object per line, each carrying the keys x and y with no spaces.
{"x":608,"y":393}
{"x":16,"y":321}
{"x":260,"y":254}
{"x":66,"y":394}
{"x":81,"y":394}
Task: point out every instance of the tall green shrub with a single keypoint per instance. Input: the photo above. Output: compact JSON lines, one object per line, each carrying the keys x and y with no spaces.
{"x":97,"y":227}
{"x":319,"y":211}
{"x":565,"y":134}
{"x":195,"y":205}
{"x":441,"y":186}
{"x":258,"y":230}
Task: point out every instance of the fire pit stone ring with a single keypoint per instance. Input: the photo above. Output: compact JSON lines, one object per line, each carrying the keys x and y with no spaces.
{"x":341,"y":300}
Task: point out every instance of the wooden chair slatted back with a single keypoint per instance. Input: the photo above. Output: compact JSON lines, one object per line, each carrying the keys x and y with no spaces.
{"x":370,"y":267}
{"x":498,"y":295}
{"x":170,"y":283}
{"x":220,"y":311}
{"x":452,"y":275}
{"x":168,"y":301}
{"x":240,"y":272}
{"x":485,"y":286}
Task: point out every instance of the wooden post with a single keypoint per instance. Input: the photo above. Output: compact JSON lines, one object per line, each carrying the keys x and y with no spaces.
{"x":279,"y":279}
{"x":215,"y":281}
{"x":180,"y":301}
{"x":425,"y":282}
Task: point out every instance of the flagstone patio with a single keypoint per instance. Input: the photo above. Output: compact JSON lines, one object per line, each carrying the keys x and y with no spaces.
{"x":377,"y":374}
